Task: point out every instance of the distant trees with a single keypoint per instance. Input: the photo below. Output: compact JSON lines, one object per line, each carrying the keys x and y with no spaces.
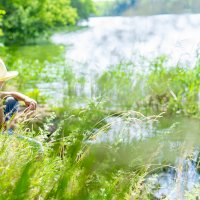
{"x":149,"y":7}
{"x":26,"y":20}
{"x":122,"y":5}
{"x":83,"y":7}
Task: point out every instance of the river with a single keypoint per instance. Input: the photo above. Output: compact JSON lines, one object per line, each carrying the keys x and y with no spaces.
{"x":107,"y":40}
{"x":93,"y":50}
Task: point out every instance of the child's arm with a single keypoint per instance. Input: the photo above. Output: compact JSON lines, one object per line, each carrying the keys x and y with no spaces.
{"x":21,"y":97}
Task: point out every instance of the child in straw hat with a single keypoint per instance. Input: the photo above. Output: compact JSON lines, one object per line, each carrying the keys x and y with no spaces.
{"x":10,"y":106}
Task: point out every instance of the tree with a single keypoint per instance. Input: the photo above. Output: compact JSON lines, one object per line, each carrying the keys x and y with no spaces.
{"x":83,"y":7}
{"x":26,"y":20}
{"x":122,"y":6}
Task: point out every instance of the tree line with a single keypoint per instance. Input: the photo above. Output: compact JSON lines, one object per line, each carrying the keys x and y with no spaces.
{"x":167,"y":7}
{"x":22,"y":21}
{"x":149,"y":7}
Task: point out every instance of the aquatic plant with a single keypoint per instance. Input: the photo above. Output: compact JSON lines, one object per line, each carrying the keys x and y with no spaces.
{"x":174,"y":89}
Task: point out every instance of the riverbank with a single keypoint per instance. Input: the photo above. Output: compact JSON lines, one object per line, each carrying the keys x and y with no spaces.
{"x":104,"y":136}
{"x":104,"y":128}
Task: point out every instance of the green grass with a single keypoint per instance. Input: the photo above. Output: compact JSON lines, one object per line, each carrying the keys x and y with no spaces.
{"x":70,"y":167}
{"x":174,"y":90}
{"x":73,"y":166}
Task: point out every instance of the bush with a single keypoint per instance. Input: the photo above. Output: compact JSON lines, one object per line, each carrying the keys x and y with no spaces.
{"x":26,"y":20}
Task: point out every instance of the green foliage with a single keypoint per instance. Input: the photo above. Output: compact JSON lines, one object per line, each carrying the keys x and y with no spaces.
{"x":84,"y":8}
{"x":36,"y":70}
{"x":103,"y":8}
{"x":2,"y":12}
{"x":147,"y":7}
{"x":174,"y":90}
{"x":119,"y":86}
{"x":26,"y":20}
{"x":71,"y":167}
{"x":75,"y":164}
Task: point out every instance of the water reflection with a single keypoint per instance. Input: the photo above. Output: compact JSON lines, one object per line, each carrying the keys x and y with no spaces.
{"x":172,"y":148}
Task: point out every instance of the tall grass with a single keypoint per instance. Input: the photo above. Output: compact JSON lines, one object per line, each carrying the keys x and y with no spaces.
{"x":74,"y":166}
{"x":79,"y":162}
{"x":98,"y":149}
{"x":161,"y":88}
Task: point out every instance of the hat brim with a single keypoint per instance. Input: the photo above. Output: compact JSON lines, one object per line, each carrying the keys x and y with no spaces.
{"x":9,"y":75}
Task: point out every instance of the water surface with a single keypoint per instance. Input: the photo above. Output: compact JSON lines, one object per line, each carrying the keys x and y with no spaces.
{"x":111,"y":39}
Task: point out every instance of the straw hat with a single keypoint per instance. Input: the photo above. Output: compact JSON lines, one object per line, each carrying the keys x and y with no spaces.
{"x":4,"y":74}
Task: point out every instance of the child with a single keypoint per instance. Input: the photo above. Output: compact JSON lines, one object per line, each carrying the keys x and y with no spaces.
{"x":9,"y":100}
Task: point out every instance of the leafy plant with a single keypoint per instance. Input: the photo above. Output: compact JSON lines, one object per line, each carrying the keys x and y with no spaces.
{"x":25,"y":21}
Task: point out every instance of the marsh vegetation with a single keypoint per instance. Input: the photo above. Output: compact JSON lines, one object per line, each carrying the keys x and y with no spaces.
{"x":124,"y":128}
